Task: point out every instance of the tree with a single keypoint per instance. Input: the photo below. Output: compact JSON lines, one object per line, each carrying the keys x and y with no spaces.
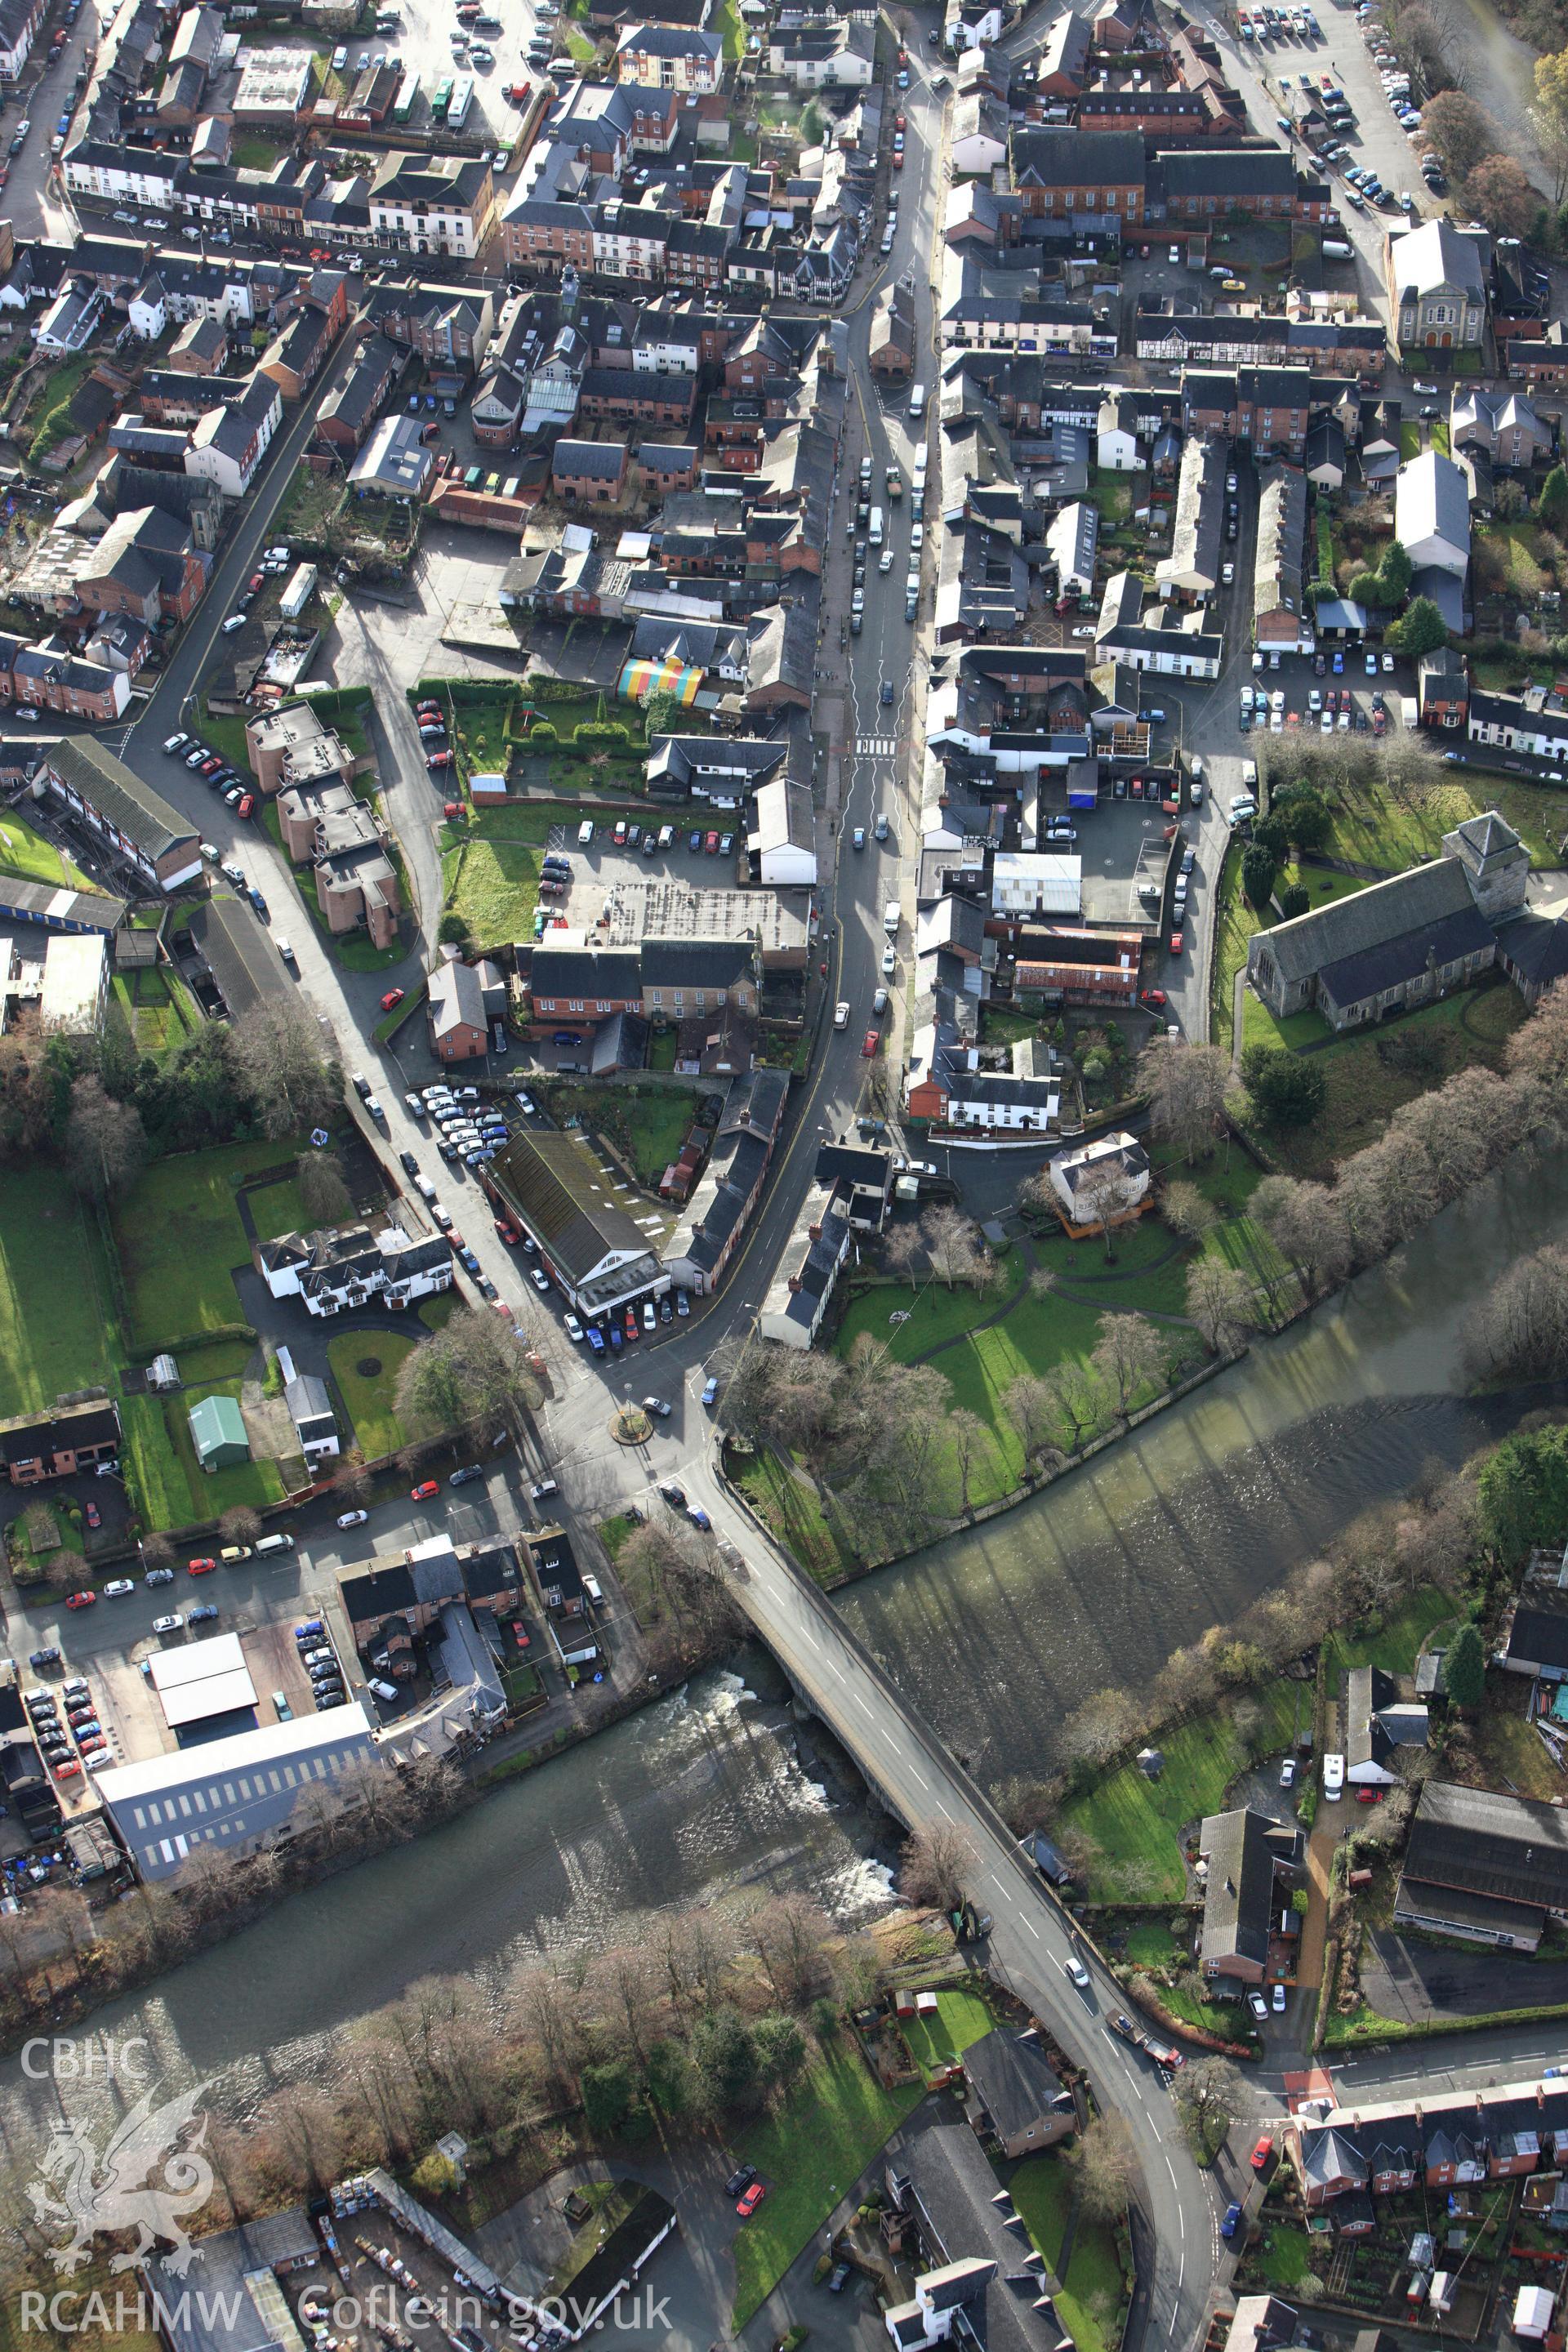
{"x":1421,"y":631}
{"x":1104,"y":1193}
{"x":1306,"y":1224}
{"x":606,"y":2096}
{"x":669,"y":2079}
{"x":1465,"y":1669}
{"x":287,"y":1065}
{"x":1129,"y":1355}
{"x":1189,"y":1212}
{"x":1521,"y":1330}
{"x":972,"y":1449}
{"x":1304,"y":814}
{"x":1208,"y":2096}
{"x":1294,"y":901}
{"x":1551,"y":506}
{"x":951,"y":1244}
{"x":106,"y":1144}
{"x":1186,"y":1087}
{"x":1269,"y":834}
{"x":1258,"y":872}
{"x":1220,"y":1302}
{"x":1462,"y":133}
{"x":726,"y":2058}
{"x":1026,"y":1401}
{"x":240,"y":1525}
{"x":781,"y":2051}
{"x":932,"y":1865}
{"x":1500,"y":195}
{"x":1551,"y":114}
{"x":1078,"y":1400}
{"x":471,"y":1369}
{"x":1395,"y":572}
{"x":1287,"y":1089}
{"x":1103,"y":2167}
{"x":323,"y":1193}
{"x":453,"y":929}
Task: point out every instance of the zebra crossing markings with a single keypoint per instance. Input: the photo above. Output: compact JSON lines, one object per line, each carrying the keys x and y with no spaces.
{"x":876,"y":747}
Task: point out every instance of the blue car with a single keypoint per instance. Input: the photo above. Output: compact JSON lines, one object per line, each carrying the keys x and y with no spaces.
{"x":203,"y":1616}
{"x":259,"y":902}
{"x":595,"y":1338}
{"x":616,"y":1338}
{"x":466,"y":1257}
{"x":311,"y":1626}
{"x":1228,"y":2227}
{"x":1339,"y":665}
{"x":694,"y":841}
{"x":697,"y":1516}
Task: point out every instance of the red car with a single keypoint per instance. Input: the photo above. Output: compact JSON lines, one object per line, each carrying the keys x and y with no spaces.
{"x":521,"y":1634}
{"x":1369,"y":1796}
{"x":501,"y":1308}
{"x":92,"y":1513}
{"x":67,"y":1771}
{"x":1155,"y":998}
{"x":869,"y":1044}
{"x":619,"y":835}
{"x":747,"y":2205}
{"x":393,"y":999}
{"x":1262,"y":2152}
{"x":203,"y":1566}
{"x":429,"y":711}
{"x":899,"y":122}
{"x":898,"y":159}
{"x":711,"y":844}
{"x":507,"y":1233}
{"x":425,"y":1490}
{"x":438,"y":759}
{"x":256,"y":582}
{"x":81,"y":1600}
{"x":1176,"y":943}
{"x":246,"y":805}
{"x":453,"y":809}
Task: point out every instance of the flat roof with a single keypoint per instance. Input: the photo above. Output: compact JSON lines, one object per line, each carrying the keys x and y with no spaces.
{"x":219,"y":1654}
{"x":269,"y":1744}
{"x":202,"y":1679}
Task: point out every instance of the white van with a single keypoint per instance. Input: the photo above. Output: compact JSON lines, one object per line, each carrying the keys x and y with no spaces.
{"x":386,"y":1692}
{"x":891,"y":918}
{"x":273,"y":1544}
{"x":585,"y":834}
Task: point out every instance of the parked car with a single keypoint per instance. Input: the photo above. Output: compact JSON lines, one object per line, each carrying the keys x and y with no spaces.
{"x":1232,"y":2222}
{"x":425,"y":1490}
{"x":747,"y":2205}
{"x":353,"y":1519}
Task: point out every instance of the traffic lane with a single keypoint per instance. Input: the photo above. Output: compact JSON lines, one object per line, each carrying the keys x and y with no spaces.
{"x":32,"y":205}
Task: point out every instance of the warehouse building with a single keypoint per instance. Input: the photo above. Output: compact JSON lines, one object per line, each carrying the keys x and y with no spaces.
{"x":238,"y":1794}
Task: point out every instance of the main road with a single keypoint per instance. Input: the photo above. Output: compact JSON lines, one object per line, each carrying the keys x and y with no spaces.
{"x":1178,"y":2245}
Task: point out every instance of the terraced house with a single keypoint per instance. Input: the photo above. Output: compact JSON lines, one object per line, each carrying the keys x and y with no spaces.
{"x":433,"y":204}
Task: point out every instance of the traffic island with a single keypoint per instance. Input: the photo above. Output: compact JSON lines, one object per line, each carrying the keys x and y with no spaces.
{"x":631,"y":1426}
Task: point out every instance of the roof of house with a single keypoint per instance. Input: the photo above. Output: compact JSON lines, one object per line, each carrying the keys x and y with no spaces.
{"x":1368,"y":1689}
{"x":1434,"y":256}
{"x":1195,"y":172}
{"x":601,"y":461}
{"x":145,"y":817}
{"x":1239,"y":1896}
{"x":29,"y":1436}
{"x":1482,"y":1842}
{"x":955,"y":2191}
{"x":1539,"y":1636}
{"x":1432,"y":500}
{"x":1012,"y":2079}
{"x":1536,"y":947}
{"x":237,"y":952}
{"x":457,"y":999}
{"x":1048,"y":155}
{"x":566,"y":1200}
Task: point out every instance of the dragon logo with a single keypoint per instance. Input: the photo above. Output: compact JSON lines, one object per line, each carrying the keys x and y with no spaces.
{"x":114,"y":2192}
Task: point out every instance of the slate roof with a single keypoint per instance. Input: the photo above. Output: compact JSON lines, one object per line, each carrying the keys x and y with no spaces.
{"x":32,"y":1434}
{"x":1392,"y":963}
{"x":1368,"y":1688}
{"x":1539,"y":1636}
{"x":1239,"y":1896}
{"x":377,"y":1591}
{"x":1370,"y":919}
{"x":1436,"y":255}
{"x":586,"y":972}
{"x":1048,"y":156}
{"x":1012,"y":2079}
{"x":1431,"y":501}
{"x":1536,"y":947}
{"x":1195,"y":173}
{"x":953,"y":2189}
{"x":107,"y":785}
{"x":566,"y":1200}
{"x":1481,"y":1842}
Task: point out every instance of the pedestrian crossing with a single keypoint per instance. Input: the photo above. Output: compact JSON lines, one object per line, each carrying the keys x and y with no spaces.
{"x":876,"y":747}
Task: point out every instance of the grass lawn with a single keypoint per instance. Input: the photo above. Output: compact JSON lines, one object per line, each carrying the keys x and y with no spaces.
{"x":1396,"y":1646}
{"x":646,"y":1129}
{"x":1133,"y":1822}
{"x":155,"y":1007}
{"x":278,"y":1209}
{"x":367,"y":1395}
{"x":1260,"y":1028}
{"x":490,"y":869}
{"x":811,"y":2153}
{"x":160,"y":1462}
{"x":24,"y":852}
{"x":249,"y":152}
{"x":962,"y":2019}
{"x":1280,"y":2255}
{"x":1507,"y":559}
{"x":54,"y":1306}
{"x":615,"y":1533}
{"x":180,"y":1239}
{"x":1366,"y":1088}
{"x":64,"y":381}
{"x":788,"y":1505}
{"x":1094,"y":2288}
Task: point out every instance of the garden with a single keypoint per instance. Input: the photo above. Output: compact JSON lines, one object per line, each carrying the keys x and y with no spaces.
{"x":180,"y":1238}
{"x":56,"y":1310}
{"x":364,"y":1369}
{"x":1081,"y":2249}
{"x":24,"y":852}
{"x":645,"y":1125}
{"x":555,"y":736}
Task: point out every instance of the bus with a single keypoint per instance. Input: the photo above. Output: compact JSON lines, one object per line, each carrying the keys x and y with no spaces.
{"x":442,"y":100}
{"x":406,"y":98}
{"x":461,"y":99}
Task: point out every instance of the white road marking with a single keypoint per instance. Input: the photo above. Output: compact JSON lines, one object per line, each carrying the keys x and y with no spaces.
{"x":921,"y":1777}
{"x":876,"y":747}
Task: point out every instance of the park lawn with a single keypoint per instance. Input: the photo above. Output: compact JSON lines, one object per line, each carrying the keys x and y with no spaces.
{"x":963,"y":2019}
{"x":930,"y":1312}
{"x":1132,"y":1823}
{"x":1364,"y":1091}
{"x":278,"y":1209}
{"x":56,"y":1313}
{"x":1321,"y":883}
{"x":26,"y":853}
{"x":368,"y":1396}
{"x":1376,"y":826}
{"x":810,"y":2152}
{"x":180,"y":1239}
{"x":1094,"y":2289}
{"x":790,"y":1507}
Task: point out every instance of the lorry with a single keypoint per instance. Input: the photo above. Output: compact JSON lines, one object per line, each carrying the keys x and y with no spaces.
{"x":874,"y":526}
{"x":917,"y":401}
{"x":298,"y":593}
{"x":1163,"y":2054}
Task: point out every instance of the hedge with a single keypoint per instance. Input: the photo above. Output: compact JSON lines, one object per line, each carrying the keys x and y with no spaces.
{"x":245,"y":1332}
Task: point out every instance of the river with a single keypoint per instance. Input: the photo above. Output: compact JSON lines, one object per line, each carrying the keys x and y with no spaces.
{"x":998,"y":1633}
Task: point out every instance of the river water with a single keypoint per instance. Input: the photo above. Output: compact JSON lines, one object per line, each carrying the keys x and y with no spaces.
{"x":998,"y":1633}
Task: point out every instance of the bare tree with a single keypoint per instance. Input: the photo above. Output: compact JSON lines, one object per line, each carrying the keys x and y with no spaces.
{"x":1103,"y":2167}
{"x":903,"y":1251}
{"x":1128,"y":1354}
{"x":323,"y":1191}
{"x":972,"y":1449}
{"x":1028,"y":1406}
{"x":1209,"y":2095}
{"x":106,"y":1144}
{"x":1307,"y":1226}
{"x":1078,"y":1400}
{"x":1220,"y":1302}
{"x":473,"y":1368}
{"x":933,"y":1864}
{"x":240,"y":1525}
{"x":287,"y":1065}
{"x":1101,"y":1727}
{"x":1540,"y":1048}
{"x":1521,"y":1329}
{"x":1189,"y":1213}
{"x":951,"y":1244}
{"x":1186,"y":1085}
{"x":1103,"y":1195}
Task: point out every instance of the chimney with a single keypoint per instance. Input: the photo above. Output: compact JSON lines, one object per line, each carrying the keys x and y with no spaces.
{"x":815,"y":1231}
{"x":794,"y":1281}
